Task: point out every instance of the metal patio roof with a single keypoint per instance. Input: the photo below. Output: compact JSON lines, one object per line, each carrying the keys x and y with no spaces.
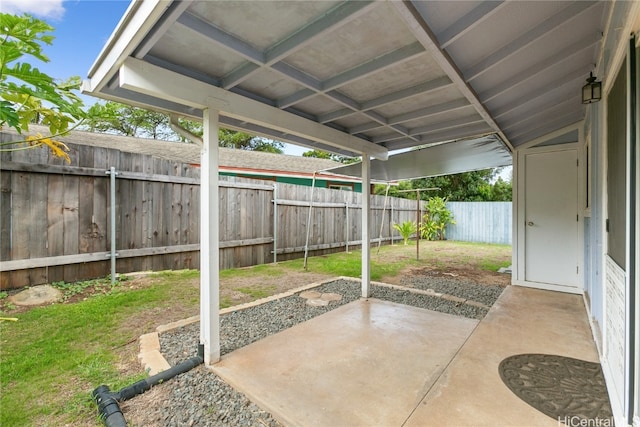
{"x":360,"y":76}
{"x":435,"y":160}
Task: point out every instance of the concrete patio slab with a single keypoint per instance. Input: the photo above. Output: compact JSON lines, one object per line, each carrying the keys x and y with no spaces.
{"x":523,"y":320}
{"x":367,"y":363}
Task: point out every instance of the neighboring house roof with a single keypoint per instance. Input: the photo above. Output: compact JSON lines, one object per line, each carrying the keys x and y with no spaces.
{"x":240,"y":161}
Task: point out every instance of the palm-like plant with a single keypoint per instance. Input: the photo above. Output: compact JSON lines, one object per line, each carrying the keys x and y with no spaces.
{"x":406,"y":229}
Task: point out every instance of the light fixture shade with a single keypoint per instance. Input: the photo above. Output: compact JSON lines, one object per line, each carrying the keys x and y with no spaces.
{"x":592,"y":91}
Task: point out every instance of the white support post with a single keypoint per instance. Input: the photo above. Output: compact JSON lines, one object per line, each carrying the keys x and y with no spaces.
{"x":366,"y":238}
{"x":209,"y":240}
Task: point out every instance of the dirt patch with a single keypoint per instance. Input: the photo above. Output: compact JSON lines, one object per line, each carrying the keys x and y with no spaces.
{"x":239,"y":290}
{"x":474,"y":275}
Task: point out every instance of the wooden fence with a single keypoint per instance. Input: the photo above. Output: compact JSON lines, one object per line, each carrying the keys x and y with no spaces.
{"x":54,"y":217}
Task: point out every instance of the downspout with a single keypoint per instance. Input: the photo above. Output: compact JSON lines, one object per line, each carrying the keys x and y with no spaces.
{"x":108,"y":402}
{"x":633,"y":188}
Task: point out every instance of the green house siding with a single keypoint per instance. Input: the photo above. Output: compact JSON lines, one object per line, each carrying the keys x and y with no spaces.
{"x":320,"y":183}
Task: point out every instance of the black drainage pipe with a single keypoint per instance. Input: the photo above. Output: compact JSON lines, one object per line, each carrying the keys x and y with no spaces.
{"x":108,"y":401}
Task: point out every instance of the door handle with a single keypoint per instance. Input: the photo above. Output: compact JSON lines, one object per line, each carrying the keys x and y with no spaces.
{"x":530,"y":224}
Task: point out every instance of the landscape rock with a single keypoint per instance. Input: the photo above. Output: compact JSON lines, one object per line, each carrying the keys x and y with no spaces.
{"x":37,"y":295}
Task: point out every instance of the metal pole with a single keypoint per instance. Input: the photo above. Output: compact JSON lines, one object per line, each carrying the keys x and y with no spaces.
{"x":346,"y":228}
{"x":384,"y":208}
{"x":275,"y":223}
{"x":306,"y":245}
{"x":391,"y":224}
{"x":112,"y":190}
{"x":418,"y":225}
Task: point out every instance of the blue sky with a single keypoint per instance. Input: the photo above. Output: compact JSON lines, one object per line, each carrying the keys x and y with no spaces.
{"x":82,"y":27}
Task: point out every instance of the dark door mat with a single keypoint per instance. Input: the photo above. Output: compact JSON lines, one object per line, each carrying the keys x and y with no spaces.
{"x":561,"y":387}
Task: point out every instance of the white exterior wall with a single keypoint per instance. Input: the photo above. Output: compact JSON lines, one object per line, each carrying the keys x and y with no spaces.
{"x":611,"y":302}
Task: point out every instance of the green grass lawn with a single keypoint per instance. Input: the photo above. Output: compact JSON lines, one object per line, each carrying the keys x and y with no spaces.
{"x":53,"y":356}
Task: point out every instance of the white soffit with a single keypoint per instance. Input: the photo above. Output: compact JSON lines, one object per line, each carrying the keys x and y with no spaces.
{"x":443,"y":159}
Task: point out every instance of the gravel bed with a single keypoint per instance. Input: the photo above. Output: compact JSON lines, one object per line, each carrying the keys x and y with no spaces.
{"x":199,"y":397}
{"x":484,"y":294}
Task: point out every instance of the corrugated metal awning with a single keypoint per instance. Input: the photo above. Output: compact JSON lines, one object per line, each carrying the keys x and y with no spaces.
{"x":443,"y":159}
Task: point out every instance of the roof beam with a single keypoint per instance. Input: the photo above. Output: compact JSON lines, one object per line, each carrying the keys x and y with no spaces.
{"x":376,"y":65}
{"x":151,"y":80}
{"x":450,"y":124}
{"x":547,"y":127}
{"x":468,"y":22}
{"x":168,"y":19}
{"x":423,"y":130}
{"x":328,"y":22}
{"x":543,"y":115}
{"x":534,"y":95}
{"x":413,"y":115}
{"x":423,"y":33}
{"x":239,"y":75}
{"x":363,"y":70}
{"x":520,"y":43}
{"x":430,"y":111}
{"x":312,"y":86}
{"x":470,"y":131}
{"x":338,"y":114}
{"x":221,"y":37}
{"x":331,"y":20}
{"x":409,"y":92}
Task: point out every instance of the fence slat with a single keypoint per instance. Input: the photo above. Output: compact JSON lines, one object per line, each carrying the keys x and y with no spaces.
{"x":485,"y":222}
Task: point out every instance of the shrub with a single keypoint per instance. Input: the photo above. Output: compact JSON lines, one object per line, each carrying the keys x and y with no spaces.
{"x":406,"y":229}
{"x":435,"y":221}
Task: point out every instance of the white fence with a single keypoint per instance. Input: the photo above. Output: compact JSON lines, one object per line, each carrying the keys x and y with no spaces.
{"x":486,"y":222}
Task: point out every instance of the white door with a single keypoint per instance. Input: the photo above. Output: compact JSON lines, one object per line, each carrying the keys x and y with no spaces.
{"x":551,"y":218}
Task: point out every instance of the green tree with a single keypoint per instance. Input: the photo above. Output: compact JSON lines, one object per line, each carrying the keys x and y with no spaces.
{"x":121,"y":119}
{"x":28,"y":95}
{"x":468,"y":186}
{"x":502,"y":191}
{"x":320,"y":154}
{"x":243,"y":141}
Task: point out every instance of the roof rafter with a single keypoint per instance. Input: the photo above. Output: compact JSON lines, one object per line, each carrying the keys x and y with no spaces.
{"x":544,"y":114}
{"x":424,"y":130}
{"x":168,"y":19}
{"x":556,"y":123}
{"x":535,"y":70}
{"x":520,"y":43}
{"x":469,"y":131}
{"x":417,"y":114}
{"x":468,"y":22}
{"x":359,"y":72}
{"x":533,"y":95}
{"x":312,"y":85}
{"x":335,"y":18}
{"x":407,"y":11}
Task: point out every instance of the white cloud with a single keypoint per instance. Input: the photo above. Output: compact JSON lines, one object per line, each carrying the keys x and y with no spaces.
{"x":47,"y":9}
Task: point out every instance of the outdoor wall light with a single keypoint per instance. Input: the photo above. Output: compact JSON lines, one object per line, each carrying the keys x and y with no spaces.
{"x":592,"y":91}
